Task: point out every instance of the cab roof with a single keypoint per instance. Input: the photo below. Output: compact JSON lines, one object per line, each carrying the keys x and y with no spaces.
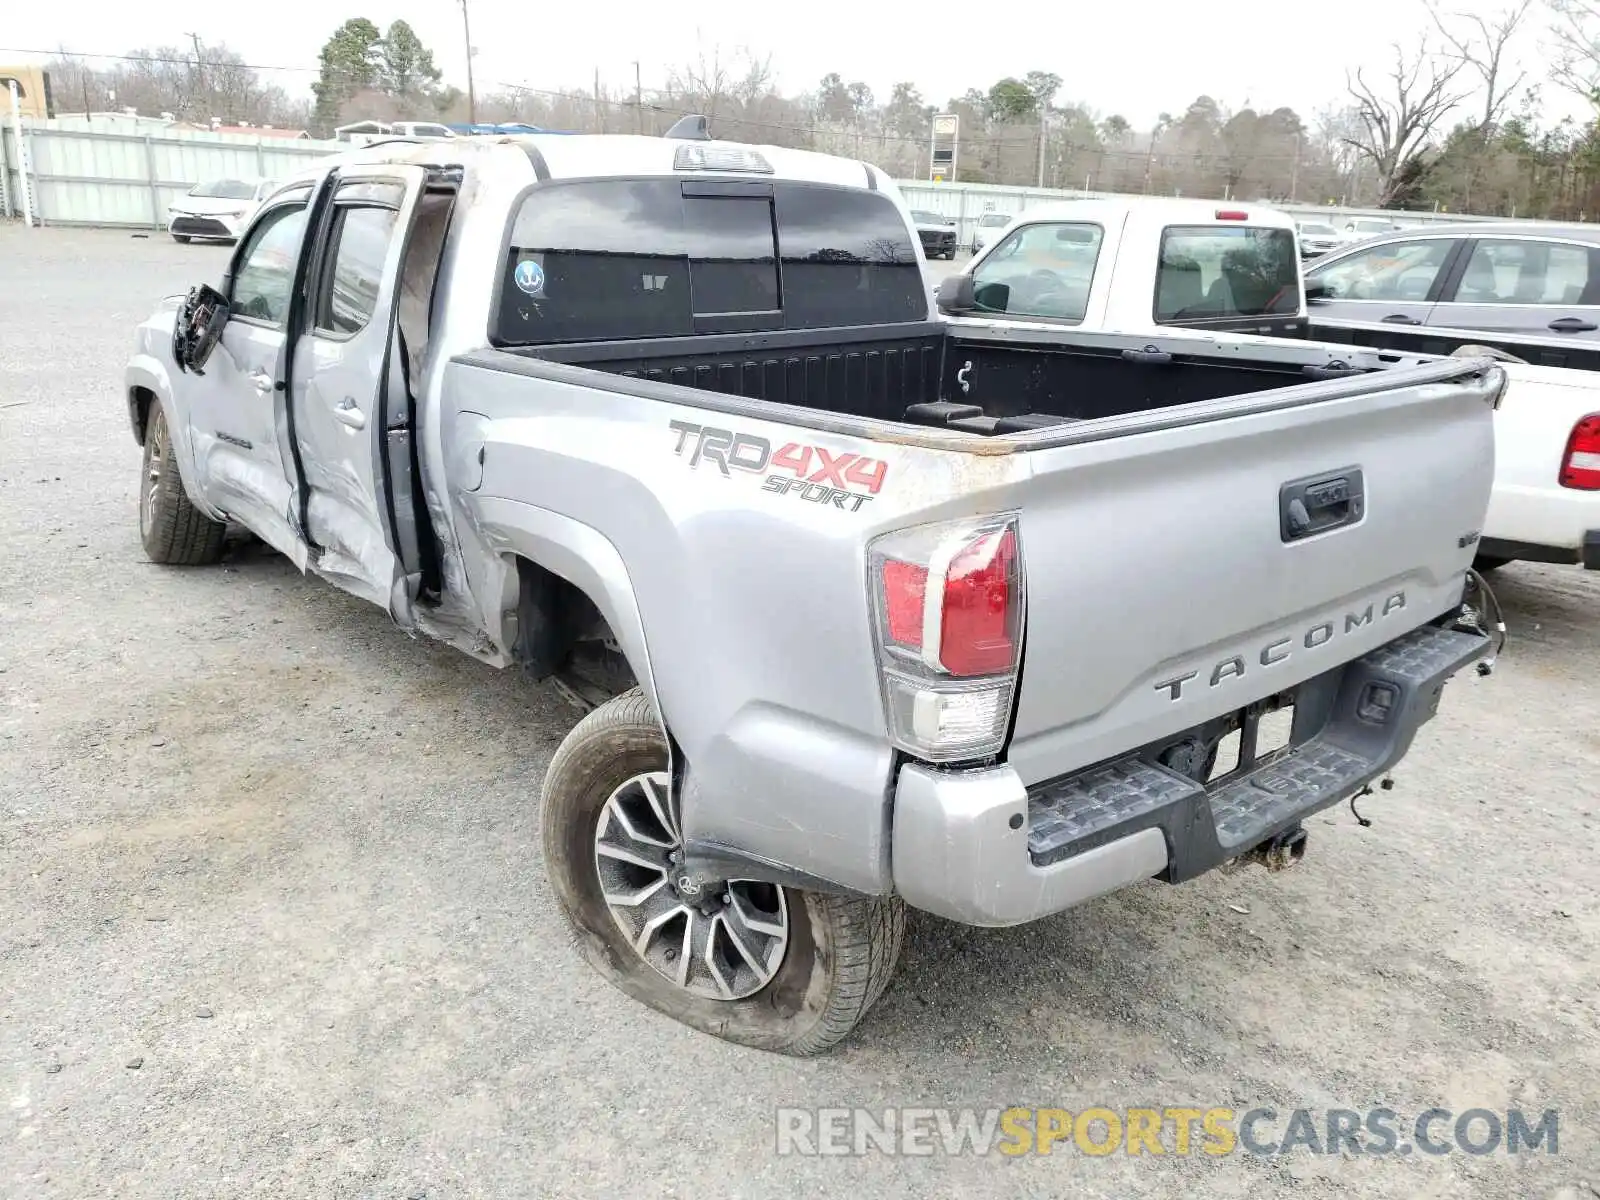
{"x":1159,"y":208}
{"x":590,"y":156}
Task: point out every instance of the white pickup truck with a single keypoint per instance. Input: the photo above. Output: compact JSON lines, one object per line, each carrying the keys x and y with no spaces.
{"x":1233,"y":274}
{"x":1140,"y":263}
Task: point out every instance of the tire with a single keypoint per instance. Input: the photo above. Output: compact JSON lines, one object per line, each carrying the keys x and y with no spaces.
{"x":181,"y":238}
{"x":840,"y":953}
{"x":1485,"y":563}
{"x":172,"y":529}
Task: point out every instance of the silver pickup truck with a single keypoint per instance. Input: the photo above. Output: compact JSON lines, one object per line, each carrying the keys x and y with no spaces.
{"x":869,"y":608}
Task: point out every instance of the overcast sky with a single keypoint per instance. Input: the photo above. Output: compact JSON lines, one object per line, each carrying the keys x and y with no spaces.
{"x":1137,"y":59}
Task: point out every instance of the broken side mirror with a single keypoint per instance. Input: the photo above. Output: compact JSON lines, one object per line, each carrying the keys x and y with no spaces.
{"x":198,"y":327}
{"x":955,"y":295}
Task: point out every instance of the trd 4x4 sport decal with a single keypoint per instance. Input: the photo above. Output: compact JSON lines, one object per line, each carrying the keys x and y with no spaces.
{"x":811,"y":473}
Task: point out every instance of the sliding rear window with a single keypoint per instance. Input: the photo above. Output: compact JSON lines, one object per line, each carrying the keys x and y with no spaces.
{"x":622,"y":259}
{"x":1210,"y":272}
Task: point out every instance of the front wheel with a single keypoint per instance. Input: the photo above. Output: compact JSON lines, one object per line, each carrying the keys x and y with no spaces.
{"x":172,"y":529}
{"x":181,"y":238}
{"x":750,"y":962}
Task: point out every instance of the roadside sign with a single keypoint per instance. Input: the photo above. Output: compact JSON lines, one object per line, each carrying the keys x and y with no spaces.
{"x":942,"y":147}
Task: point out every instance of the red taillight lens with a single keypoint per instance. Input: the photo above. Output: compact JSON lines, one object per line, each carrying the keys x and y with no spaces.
{"x":1232,"y":214}
{"x":973,"y":571}
{"x":1580,"y":465}
{"x":948,"y":601}
{"x":978,"y":626}
{"x":905,"y":589}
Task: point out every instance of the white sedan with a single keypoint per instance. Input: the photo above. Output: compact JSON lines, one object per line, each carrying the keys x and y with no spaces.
{"x":1546,"y":501}
{"x":218,"y":209}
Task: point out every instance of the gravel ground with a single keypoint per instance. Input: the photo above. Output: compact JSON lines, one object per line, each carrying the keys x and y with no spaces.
{"x":272,"y":917}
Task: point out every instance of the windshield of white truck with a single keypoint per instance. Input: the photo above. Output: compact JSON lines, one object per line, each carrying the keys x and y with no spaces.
{"x":1211,"y":271}
{"x":1042,"y":270}
{"x":621,"y":259}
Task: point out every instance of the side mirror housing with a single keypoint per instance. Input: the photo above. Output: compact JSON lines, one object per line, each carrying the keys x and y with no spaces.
{"x":1316,"y":291}
{"x":198,"y":327}
{"x":955,"y":295}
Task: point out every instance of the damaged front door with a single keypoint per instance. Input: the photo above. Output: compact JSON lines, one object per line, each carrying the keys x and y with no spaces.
{"x":347,"y":366}
{"x":235,"y":400}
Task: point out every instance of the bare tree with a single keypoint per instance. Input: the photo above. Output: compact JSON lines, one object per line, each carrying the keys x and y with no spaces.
{"x":1397,"y":118}
{"x":1576,"y":34}
{"x":1478,"y":45}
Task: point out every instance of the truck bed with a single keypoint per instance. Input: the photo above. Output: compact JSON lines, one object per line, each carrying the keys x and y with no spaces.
{"x":974,"y":380}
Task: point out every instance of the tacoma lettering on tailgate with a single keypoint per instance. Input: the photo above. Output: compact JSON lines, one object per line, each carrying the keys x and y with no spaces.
{"x":810,"y":473}
{"x":1279,"y":650}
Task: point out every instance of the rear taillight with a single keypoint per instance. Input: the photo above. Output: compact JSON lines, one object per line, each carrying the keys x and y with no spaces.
{"x":1232,"y":214}
{"x":948,"y":618}
{"x":1580,"y":465}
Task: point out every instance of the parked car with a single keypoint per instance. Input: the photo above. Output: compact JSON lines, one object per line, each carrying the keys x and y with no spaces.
{"x":1531,"y":290}
{"x":873,"y":608}
{"x":1546,"y":501}
{"x":1359,"y":229}
{"x":216,"y":210}
{"x":989,"y":227}
{"x":938,"y":233}
{"x":1317,"y":238}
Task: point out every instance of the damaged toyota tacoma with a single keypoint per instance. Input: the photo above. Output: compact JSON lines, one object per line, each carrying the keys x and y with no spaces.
{"x":869,"y":608}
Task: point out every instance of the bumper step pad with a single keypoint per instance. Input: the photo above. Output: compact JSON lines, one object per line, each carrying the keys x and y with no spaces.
{"x":1370,"y":711}
{"x":1072,"y":811}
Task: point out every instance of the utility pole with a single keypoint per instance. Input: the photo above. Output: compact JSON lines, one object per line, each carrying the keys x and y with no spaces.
{"x":1294,"y":172}
{"x":199,"y":71}
{"x":1044,"y":127}
{"x":472,"y":92}
{"x":599,"y":121}
{"x":638,"y":100}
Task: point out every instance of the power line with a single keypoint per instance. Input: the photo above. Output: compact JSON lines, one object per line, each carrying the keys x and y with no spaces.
{"x":1168,"y":159}
{"x":157,"y":58}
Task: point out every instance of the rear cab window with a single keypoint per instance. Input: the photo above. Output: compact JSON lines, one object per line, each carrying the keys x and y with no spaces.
{"x":1220,"y":272}
{"x":1043,"y":270}
{"x":627,"y":259}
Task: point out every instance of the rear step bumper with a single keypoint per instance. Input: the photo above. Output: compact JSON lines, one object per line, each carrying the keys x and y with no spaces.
{"x":978,"y":847}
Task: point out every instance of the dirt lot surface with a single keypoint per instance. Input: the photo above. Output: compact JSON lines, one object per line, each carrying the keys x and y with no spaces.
{"x":273,"y":921}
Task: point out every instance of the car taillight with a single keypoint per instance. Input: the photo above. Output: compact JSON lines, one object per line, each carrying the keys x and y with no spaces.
{"x":1580,"y":465}
{"x":1232,"y":214}
{"x":948,"y":621}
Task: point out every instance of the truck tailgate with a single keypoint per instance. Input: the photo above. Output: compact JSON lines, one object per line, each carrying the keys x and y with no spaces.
{"x":1171,"y":578}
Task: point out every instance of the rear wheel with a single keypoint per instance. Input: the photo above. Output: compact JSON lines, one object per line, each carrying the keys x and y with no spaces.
{"x":750,"y":962}
{"x":172,"y":529}
{"x":181,"y":238}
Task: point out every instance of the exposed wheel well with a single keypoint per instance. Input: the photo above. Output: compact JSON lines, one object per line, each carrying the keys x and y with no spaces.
{"x":139,"y":401}
{"x":561,"y":630}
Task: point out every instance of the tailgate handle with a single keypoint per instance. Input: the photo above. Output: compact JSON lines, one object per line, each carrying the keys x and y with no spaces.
{"x":1319,"y":503}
